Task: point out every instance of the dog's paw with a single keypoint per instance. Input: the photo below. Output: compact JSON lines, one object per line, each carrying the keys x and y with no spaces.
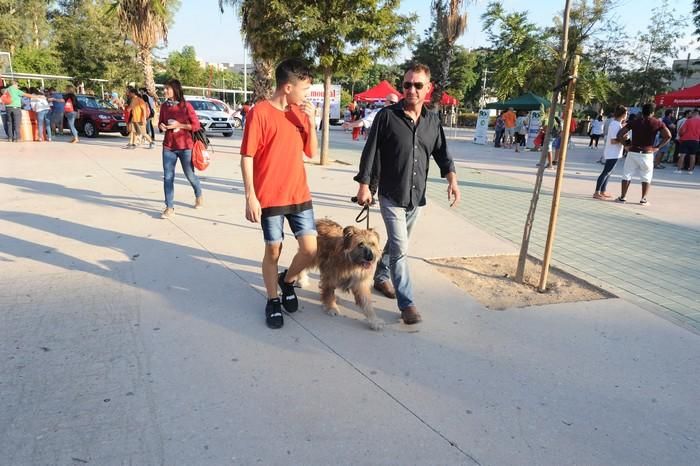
{"x":332,"y":311}
{"x":303,"y":280}
{"x":376,"y":324}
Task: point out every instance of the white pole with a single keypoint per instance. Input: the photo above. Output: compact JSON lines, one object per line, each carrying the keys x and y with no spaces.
{"x":245,"y":74}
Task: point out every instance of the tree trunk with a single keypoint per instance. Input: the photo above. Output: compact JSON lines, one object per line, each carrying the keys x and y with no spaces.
{"x":443,"y":79}
{"x":530,"y":219}
{"x":146,"y":60}
{"x":326,"y":114}
{"x":262,"y":79}
{"x":35,"y":28}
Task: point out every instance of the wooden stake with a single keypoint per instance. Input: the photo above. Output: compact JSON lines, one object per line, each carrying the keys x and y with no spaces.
{"x":556,"y":195}
{"x":530,"y":220}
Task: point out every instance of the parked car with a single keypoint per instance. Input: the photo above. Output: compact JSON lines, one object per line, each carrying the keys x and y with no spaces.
{"x":236,"y":114}
{"x":211,"y":116}
{"x":94,"y":118}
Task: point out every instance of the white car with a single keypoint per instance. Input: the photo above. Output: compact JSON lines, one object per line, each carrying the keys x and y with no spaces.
{"x":212,"y":119}
{"x":236,"y":114}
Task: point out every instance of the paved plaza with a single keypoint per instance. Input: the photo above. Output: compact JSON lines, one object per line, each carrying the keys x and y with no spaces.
{"x":127,"y":339}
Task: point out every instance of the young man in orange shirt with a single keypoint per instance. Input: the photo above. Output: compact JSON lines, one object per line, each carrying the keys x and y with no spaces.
{"x":277,"y":132}
{"x":509,"y":119}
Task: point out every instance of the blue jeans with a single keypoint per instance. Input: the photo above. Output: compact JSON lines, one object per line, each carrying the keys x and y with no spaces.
{"x":71,"y":116}
{"x":15,"y":116}
{"x":57,"y":120}
{"x":169,"y":161}
{"x":602,"y":183}
{"x":43,"y":122}
{"x":399,"y":222}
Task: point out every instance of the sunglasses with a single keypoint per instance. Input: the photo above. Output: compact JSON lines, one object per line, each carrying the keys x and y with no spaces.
{"x":418,"y":85}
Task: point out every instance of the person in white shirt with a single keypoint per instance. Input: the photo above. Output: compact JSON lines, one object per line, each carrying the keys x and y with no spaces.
{"x":40,"y":106}
{"x":612,"y":152}
{"x":521,"y":124}
{"x":366,"y":122}
{"x":597,"y":126}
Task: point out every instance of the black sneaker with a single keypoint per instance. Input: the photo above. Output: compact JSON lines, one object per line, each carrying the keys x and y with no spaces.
{"x":273,"y":313}
{"x":289,"y":296}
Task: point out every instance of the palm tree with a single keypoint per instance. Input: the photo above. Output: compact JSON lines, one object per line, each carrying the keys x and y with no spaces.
{"x":266,"y":48}
{"x":145,"y":23}
{"x":451,"y":22}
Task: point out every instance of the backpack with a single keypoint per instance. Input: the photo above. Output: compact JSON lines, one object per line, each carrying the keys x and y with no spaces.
{"x":200,"y":150}
{"x":556,"y":128}
{"x":151,"y":111}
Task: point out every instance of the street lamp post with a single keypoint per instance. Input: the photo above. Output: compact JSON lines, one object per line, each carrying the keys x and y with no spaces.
{"x":482,"y":100}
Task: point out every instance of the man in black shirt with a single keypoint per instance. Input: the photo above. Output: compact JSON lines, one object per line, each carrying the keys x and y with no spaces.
{"x":398,"y":150}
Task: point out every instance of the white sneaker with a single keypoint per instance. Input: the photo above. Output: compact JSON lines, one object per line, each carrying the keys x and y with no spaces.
{"x":689,"y":173}
{"x":677,"y":172}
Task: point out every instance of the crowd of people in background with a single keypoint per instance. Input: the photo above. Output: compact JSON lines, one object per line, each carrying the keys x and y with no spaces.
{"x":511,"y":130}
{"x":49,"y":111}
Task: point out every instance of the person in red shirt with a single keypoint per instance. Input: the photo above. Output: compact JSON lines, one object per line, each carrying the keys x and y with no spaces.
{"x":689,"y":136}
{"x":178,"y":120}
{"x":277,"y":132}
{"x":640,"y":153}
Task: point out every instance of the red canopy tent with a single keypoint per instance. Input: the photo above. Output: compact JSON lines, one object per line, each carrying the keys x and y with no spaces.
{"x":377,"y":93}
{"x":689,"y":97}
{"x":445,"y":101}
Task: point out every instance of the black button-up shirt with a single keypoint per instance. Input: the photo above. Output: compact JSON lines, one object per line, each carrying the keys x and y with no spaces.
{"x":398,"y":152}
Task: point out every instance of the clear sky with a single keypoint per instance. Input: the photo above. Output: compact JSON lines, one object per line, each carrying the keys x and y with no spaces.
{"x":216,"y":37}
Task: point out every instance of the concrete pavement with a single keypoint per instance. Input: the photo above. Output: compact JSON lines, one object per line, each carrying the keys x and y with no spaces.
{"x":126,"y":339}
{"x":646,"y":254}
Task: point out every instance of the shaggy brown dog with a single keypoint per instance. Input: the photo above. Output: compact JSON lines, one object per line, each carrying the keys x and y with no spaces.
{"x":347,"y":258}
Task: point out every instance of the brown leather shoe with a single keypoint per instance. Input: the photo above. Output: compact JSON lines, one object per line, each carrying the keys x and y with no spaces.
{"x":410,"y":315}
{"x":386,"y":288}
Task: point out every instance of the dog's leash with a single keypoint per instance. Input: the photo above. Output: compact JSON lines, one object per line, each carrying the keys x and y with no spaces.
{"x":364,"y":213}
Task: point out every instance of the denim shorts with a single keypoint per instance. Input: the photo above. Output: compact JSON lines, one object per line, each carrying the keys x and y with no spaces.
{"x":302,"y":224}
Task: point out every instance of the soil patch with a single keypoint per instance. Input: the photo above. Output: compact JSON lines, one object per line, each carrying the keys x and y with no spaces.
{"x":489,"y":280}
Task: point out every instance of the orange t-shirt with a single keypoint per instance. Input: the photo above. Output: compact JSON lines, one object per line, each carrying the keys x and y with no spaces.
{"x":509,"y":119}
{"x":276,"y":140}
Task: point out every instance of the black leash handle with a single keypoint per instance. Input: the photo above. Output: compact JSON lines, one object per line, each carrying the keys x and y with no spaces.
{"x":364,"y":213}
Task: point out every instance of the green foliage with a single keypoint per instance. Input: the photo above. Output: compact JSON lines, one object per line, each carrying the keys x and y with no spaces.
{"x":462,"y":68}
{"x":344,"y":36}
{"x":608,"y":47}
{"x":650,"y":72}
{"x":345,"y":99}
{"x":519,"y":50}
{"x":183,"y":65}
{"x":24,"y":23}
{"x":613,"y":69}
{"x":359,"y":80}
{"x":145,"y":23}
{"x":39,"y":61}
{"x":89,"y":46}
{"x":593,"y":85}
{"x":450,"y":23}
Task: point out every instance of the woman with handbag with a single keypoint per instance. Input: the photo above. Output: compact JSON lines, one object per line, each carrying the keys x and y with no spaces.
{"x":178,"y":120}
